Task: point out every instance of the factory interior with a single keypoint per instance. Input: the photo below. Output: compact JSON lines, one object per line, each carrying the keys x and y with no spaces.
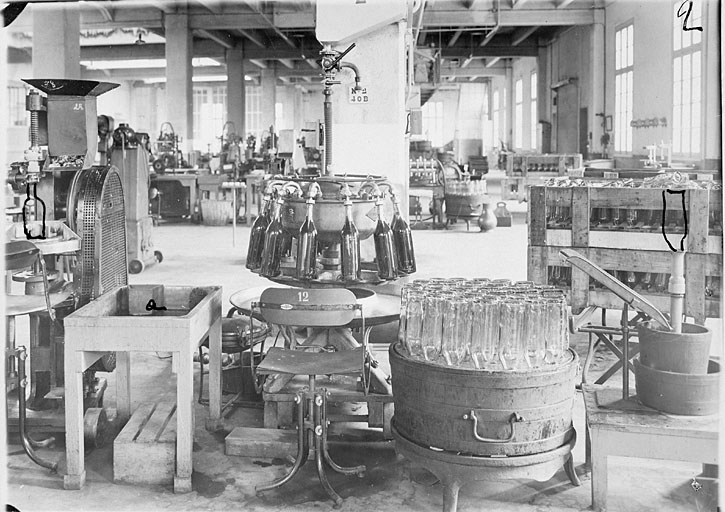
{"x":393,"y":255}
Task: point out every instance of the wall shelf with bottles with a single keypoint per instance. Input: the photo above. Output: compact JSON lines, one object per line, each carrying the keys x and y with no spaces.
{"x":542,"y":165}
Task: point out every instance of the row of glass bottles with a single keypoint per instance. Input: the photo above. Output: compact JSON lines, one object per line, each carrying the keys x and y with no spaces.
{"x":484,"y":324}
{"x":268,"y":242}
{"x":627,"y":219}
{"x":465,"y":187}
{"x":534,"y":168}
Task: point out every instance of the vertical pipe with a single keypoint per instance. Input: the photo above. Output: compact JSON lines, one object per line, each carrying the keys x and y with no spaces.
{"x":328,"y":131}
{"x":676,"y":288}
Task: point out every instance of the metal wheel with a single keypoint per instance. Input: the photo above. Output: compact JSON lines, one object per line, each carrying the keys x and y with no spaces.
{"x":135,"y":267}
{"x":95,"y":425}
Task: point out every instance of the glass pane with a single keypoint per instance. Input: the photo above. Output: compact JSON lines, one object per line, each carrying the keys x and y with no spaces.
{"x":534,"y":86}
{"x":696,"y":89}
{"x":630,"y":91}
{"x":677,"y":66}
{"x":696,"y":64}
{"x":618,"y":50}
{"x":630,"y":46}
{"x":686,"y":67}
{"x":686,"y":97}
{"x":686,"y":35}
{"x":677,"y":129}
{"x":695,"y":148}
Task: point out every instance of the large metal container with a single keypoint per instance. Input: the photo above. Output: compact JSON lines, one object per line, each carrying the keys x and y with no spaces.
{"x":516,"y":412}
{"x":329,"y":217}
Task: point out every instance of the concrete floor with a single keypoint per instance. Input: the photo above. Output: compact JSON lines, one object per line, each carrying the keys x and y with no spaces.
{"x":199,"y":255}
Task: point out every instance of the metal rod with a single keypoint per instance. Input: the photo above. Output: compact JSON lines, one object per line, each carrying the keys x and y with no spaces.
{"x":625,"y":351}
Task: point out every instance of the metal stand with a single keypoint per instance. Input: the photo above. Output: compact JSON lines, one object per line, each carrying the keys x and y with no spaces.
{"x":312,"y":426}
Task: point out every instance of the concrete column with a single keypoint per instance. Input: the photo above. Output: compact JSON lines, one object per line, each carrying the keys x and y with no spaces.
{"x":236,"y":107}
{"x":268,"y":82}
{"x":179,"y":89}
{"x":597,"y":80}
{"x":711,"y":137}
{"x":509,"y":103}
{"x":298,"y":119}
{"x":56,"y":40}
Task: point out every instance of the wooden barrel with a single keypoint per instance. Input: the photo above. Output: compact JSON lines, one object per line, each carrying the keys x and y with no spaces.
{"x":434,"y":405}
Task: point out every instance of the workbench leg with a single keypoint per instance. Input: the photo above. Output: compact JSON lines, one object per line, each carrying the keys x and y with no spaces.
{"x":123,"y":386}
{"x":599,"y":473}
{"x":75,"y":477}
{"x":184,"y":420}
{"x":450,"y":496}
{"x":215,"y":376}
{"x":388,"y":410}
{"x":270,"y":415}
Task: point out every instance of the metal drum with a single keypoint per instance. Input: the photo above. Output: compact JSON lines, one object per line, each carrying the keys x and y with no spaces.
{"x":483,"y":413}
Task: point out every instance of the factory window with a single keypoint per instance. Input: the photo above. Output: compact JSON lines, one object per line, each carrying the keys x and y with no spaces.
{"x":209,"y":115}
{"x":687,"y":83}
{"x":253,"y":106}
{"x":279,"y":117}
{"x":433,"y":122}
{"x":623,"y":88}
{"x":519,"y":114}
{"x":16,"y":106}
{"x":496,"y":118}
{"x":534,"y":111}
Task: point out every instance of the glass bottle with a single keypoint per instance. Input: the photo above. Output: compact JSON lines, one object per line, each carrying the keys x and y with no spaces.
{"x":403,"y":239}
{"x":33,"y":208}
{"x":384,"y":246}
{"x":307,"y":246}
{"x":349,"y":246}
{"x":272,"y":253}
{"x":256,"y":238}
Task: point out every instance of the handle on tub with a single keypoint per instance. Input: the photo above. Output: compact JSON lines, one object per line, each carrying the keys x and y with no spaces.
{"x":514,"y":418}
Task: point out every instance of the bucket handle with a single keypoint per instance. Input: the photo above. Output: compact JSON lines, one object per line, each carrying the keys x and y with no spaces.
{"x":515,"y":417}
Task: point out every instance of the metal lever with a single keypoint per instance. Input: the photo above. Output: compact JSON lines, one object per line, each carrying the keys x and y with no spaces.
{"x":334,"y":63}
{"x":515,"y":417}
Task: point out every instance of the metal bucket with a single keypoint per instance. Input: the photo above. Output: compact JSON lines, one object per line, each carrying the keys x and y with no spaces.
{"x":483,"y":413}
{"x":685,"y":352}
{"x":678,"y":393}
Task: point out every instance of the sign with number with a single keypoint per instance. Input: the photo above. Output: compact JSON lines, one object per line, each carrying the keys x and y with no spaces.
{"x":359,"y":96}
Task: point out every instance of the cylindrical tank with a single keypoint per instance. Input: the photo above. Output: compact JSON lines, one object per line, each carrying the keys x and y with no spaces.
{"x":434,"y":404}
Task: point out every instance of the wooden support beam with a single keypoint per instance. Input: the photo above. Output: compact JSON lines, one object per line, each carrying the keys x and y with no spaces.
{"x":466,"y":62}
{"x":252,"y":36}
{"x":455,"y":37}
{"x":259,"y":63}
{"x":491,"y":62}
{"x":521,"y":34}
{"x":287,"y":63}
{"x":222,"y":38}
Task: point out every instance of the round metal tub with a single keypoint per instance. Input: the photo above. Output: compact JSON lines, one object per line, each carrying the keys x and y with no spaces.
{"x":513,"y":412}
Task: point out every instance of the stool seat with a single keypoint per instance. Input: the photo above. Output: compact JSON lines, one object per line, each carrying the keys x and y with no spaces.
{"x":299,"y":362}
{"x":16,"y":305}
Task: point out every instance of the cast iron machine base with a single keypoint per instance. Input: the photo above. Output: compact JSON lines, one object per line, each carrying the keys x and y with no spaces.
{"x":312,"y":427}
{"x":454,"y":470}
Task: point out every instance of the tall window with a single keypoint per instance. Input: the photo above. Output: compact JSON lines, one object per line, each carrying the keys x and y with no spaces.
{"x":496,"y":118}
{"x":433,"y":122}
{"x":16,"y":106}
{"x":519,"y":113}
{"x":253,"y":106}
{"x":623,"y":90}
{"x":534,"y":110}
{"x":209,"y":115}
{"x":687,"y":82}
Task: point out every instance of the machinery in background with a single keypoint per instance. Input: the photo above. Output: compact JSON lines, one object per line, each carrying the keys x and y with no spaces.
{"x":167,"y":150}
{"x":131,"y":160}
{"x":61,"y":182}
{"x":105,"y":131}
{"x":230,"y":155}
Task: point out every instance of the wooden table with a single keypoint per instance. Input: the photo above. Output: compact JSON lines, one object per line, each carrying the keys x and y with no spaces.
{"x":627,"y":428}
{"x":108,"y":324}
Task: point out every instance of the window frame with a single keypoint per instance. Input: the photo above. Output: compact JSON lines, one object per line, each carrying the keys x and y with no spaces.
{"x":623,"y":88}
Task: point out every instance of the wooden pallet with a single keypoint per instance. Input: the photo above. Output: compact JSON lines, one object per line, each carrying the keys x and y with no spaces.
{"x":144,"y":452}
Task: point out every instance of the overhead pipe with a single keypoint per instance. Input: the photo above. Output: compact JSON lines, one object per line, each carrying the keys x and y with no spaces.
{"x":496,"y":27}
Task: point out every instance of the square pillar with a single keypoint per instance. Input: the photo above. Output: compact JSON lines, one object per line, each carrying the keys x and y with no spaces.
{"x":268,"y":82}
{"x":596,"y":72}
{"x":179,"y":88}
{"x":56,"y":40}
{"x":236,"y":107}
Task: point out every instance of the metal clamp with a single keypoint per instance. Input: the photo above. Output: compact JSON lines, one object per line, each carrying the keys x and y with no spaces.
{"x":515,"y":417}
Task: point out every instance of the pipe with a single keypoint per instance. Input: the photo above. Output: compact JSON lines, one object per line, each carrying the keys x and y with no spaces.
{"x":355,"y":70}
{"x":328,"y":130}
{"x":22,"y":354}
{"x":496,"y":27}
{"x":676,"y":288}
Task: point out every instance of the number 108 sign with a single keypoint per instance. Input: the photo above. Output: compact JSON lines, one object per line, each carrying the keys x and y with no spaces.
{"x":359,"y":96}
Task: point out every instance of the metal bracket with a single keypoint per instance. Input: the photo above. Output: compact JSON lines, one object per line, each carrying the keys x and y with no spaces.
{"x":514,"y":418}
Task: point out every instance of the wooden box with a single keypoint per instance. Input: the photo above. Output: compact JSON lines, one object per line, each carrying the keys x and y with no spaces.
{"x":144,"y":452}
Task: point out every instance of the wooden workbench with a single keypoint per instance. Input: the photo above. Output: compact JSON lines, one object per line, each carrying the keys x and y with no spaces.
{"x":626,"y":428}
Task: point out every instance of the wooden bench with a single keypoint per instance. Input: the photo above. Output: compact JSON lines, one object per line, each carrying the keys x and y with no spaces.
{"x":627,"y":428}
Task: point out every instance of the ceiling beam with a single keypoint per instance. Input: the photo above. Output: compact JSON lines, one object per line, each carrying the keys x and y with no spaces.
{"x":466,"y":62}
{"x":287,"y":63}
{"x":516,"y":4}
{"x":202,"y":48}
{"x":492,"y":62}
{"x":144,"y":73}
{"x":222,"y":38}
{"x":455,"y":37}
{"x":252,"y":36}
{"x":271,"y":24}
{"x":508,"y":18}
{"x":474,"y":69}
{"x":521,"y":34}
{"x":498,"y":50}
{"x":102,"y":8}
{"x":312,"y":63}
{"x":563,"y":3}
{"x":259,"y":63}
{"x":284,"y":79}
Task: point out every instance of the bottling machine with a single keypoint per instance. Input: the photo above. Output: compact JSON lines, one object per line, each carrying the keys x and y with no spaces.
{"x":62,"y":183}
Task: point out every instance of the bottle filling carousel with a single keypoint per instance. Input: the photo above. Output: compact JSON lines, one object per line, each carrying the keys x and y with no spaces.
{"x":311,"y":228}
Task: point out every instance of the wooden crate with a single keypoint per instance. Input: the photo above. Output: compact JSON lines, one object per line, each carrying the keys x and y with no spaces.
{"x":625,"y":250}
{"x":144,"y":452}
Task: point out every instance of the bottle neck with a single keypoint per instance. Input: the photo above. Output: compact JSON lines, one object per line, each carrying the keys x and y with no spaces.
{"x":309,"y":210}
{"x":380,"y":212}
